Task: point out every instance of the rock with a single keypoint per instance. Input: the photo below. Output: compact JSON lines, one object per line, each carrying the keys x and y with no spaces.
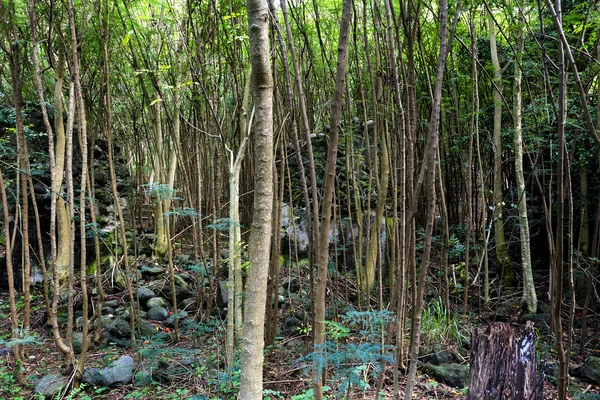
{"x":180,"y":315}
{"x":117,"y":341}
{"x":158,"y":314}
{"x":100,"y":177}
{"x":163,"y":287}
{"x":147,"y":329}
{"x":78,"y":342}
{"x":290,"y":325}
{"x":440,"y":358}
{"x":120,"y":371}
{"x":111,"y":303}
{"x":291,"y":284}
{"x":189,"y":305}
{"x":183,"y":259}
{"x":79,"y":323}
{"x":50,"y":385}
{"x":119,"y":328}
{"x":145,"y":294}
{"x":590,"y":370}
{"x":92,"y":377}
{"x":223,"y":295}
{"x":5,"y":351}
{"x":106,"y":310}
{"x":154,"y":270}
{"x":455,"y":375}
{"x":180,"y":281}
{"x":157,"y":302}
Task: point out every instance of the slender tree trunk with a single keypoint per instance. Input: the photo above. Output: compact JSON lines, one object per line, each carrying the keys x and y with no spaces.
{"x":508,"y":274}
{"x":328,"y":186}
{"x":260,"y":234}
{"x":529,"y":296}
{"x":56,"y":181}
{"x":9,"y":272}
{"x":81,"y":119}
{"x":557,"y":277}
{"x":429,"y":169}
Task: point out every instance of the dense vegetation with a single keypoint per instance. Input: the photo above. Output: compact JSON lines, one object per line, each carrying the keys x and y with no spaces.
{"x":358,"y":182}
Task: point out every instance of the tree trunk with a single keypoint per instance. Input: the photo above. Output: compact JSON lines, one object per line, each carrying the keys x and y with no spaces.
{"x":260,"y":234}
{"x":529,"y":296}
{"x":325,"y":223}
{"x":508,"y":275}
{"x":503,"y":366}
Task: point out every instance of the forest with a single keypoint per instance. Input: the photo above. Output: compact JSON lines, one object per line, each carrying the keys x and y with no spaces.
{"x":317,"y":199}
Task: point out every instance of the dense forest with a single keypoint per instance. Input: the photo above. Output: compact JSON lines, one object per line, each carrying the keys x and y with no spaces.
{"x":300,"y":200}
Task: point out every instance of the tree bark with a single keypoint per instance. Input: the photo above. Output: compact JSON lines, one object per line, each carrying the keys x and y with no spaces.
{"x":260,"y":234}
{"x":328,"y":186}
{"x":501,"y":249}
{"x":503,"y":366}
{"x":529,"y":296}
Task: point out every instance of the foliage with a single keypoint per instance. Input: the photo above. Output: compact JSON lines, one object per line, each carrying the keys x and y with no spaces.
{"x":355,"y":363}
{"x":438,"y":326}
{"x":8,"y":383}
{"x":223,"y":224}
{"x":160,"y":192}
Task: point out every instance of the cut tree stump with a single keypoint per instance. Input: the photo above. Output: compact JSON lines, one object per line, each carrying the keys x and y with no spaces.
{"x":503,"y":366}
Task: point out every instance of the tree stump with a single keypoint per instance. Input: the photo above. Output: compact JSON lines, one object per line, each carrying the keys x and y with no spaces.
{"x":503,"y":366}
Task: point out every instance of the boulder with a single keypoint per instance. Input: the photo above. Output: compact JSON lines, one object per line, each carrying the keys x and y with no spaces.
{"x":119,"y":328}
{"x":50,"y":385}
{"x":223,"y":294}
{"x":147,"y":329}
{"x":590,"y":370}
{"x":455,"y":375}
{"x":152,"y":270}
{"x":189,"y":305}
{"x":145,"y":294}
{"x":158,"y":314}
{"x":440,"y":358}
{"x":157,"y":302}
{"x":120,"y":371}
{"x":78,"y":342}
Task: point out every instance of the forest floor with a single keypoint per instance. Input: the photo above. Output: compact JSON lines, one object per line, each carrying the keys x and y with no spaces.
{"x":194,"y":368}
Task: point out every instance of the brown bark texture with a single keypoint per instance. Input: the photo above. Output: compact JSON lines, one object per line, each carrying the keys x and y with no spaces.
{"x":503,"y":365}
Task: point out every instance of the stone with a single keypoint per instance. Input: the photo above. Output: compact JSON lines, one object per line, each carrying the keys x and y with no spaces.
{"x":223,"y":295}
{"x":120,"y":371}
{"x":189,"y":305}
{"x":92,"y":377}
{"x":145,"y":294}
{"x":119,"y":328}
{"x":147,"y":329}
{"x":157,"y":302}
{"x":50,"y":385}
{"x":440,"y":358}
{"x":110,"y":339}
{"x":290,"y":325}
{"x":5,"y":351}
{"x":455,"y":375}
{"x":106,"y":310}
{"x":78,"y":342}
{"x":590,"y":370}
{"x":153,"y":270}
{"x":111,"y":303}
{"x":158,"y":314}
